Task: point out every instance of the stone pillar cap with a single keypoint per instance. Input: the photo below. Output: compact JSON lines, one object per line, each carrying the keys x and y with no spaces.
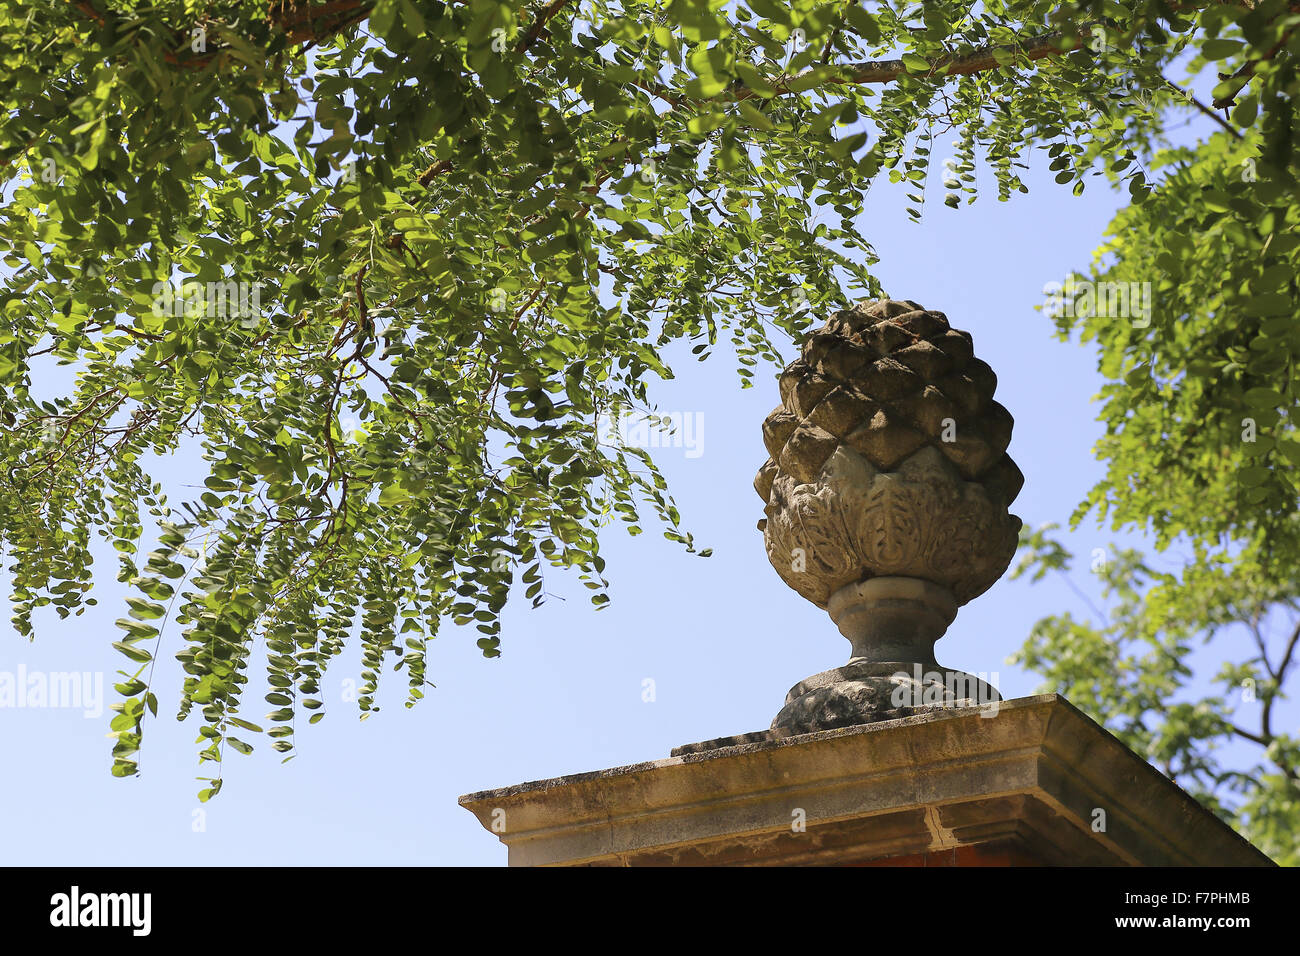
{"x":1034,"y":776}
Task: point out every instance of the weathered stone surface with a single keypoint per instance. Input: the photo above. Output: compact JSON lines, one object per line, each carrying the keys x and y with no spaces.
{"x":806,"y":452}
{"x":1029,"y":778}
{"x":962,"y":391}
{"x":1004,"y":480}
{"x":763,"y":480}
{"x":888,"y":466}
{"x":885,"y":396}
{"x":810,"y":390}
{"x":778,"y":428}
{"x":996,"y":426}
{"x":926,"y":360}
{"x":851,"y":521}
{"x":892,"y":623}
{"x":886,"y":439}
{"x":865,"y":691}
{"x":841,"y":411}
{"x":931,"y":412}
{"x":970,"y":453}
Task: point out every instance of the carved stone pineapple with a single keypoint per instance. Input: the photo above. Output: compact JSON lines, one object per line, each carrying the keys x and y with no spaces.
{"x":886,"y":494}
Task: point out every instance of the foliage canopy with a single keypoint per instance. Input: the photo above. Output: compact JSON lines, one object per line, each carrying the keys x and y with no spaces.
{"x":472,"y":229}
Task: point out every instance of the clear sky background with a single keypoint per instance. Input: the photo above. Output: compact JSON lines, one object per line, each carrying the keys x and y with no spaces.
{"x":722,"y":638}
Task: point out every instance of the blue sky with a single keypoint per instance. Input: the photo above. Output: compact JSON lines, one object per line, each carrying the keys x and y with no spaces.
{"x":722,"y":638}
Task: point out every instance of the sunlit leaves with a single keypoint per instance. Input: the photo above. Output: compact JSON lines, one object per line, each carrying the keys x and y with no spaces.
{"x":1213,"y":370}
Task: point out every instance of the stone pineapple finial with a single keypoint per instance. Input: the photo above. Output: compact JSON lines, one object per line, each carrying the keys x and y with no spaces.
{"x":886,"y":503}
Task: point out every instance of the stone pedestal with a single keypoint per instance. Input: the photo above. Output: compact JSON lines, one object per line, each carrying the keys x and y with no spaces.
{"x":1037,"y":783}
{"x":892,"y":623}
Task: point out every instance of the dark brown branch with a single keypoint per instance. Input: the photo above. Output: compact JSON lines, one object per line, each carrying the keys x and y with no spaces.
{"x":311,"y":23}
{"x":433,"y":172}
{"x":977,"y":61}
{"x":1288,"y":654}
{"x":1247,"y":70}
{"x":85,"y":7}
{"x":362,"y":316}
{"x":300,"y":24}
{"x":1266,"y":719}
{"x":539,"y":24}
{"x":1247,"y":735}
{"x":1252,"y":624}
{"x":1202,"y":107}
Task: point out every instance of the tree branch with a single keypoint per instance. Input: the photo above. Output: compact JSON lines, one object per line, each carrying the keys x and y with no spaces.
{"x":1247,"y":69}
{"x":539,"y":24}
{"x":977,"y":61}
{"x":1202,"y":107}
{"x":1288,"y":654}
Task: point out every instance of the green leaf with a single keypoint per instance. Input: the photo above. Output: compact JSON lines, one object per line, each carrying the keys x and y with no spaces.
{"x":1263,"y":398}
{"x":134,"y":653}
{"x":1221,"y":49}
